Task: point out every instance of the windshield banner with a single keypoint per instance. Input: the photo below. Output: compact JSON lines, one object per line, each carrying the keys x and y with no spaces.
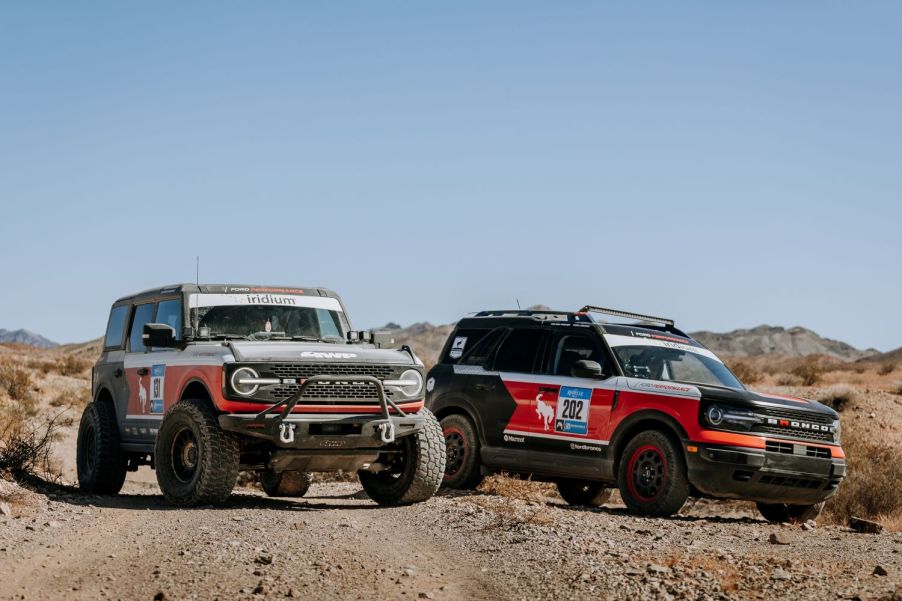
{"x":284,"y":300}
{"x":617,"y":340}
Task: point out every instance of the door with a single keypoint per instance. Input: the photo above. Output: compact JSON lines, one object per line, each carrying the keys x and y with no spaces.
{"x":568,"y":426}
{"x":110,"y":371}
{"x":143,"y":406}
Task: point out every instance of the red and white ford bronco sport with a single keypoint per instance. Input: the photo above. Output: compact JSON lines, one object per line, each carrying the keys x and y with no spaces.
{"x":200,"y":382}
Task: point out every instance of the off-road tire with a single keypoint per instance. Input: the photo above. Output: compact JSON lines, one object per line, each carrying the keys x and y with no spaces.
{"x":652,"y":475}
{"x":419,"y":474}
{"x":216,"y":455}
{"x":583,"y":493}
{"x":778,"y":513}
{"x":286,"y":484}
{"x":99,"y":458}
{"x":461,"y":453}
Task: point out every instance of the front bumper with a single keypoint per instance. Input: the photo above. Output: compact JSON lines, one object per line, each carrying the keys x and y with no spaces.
{"x":761,"y":475}
{"x":326,"y":432}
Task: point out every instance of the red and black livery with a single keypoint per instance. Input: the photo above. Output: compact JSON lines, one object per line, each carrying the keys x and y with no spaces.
{"x":573,"y":398}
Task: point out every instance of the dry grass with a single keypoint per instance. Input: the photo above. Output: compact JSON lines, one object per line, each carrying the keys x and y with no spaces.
{"x":788,"y":380}
{"x":513,"y":514}
{"x":16,"y":381}
{"x":839,"y":396}
{"x":503,"y":485}
{"x":873,"y":481}
{"x":886,"y":368}
{"x":809,"y":371}
{"x":72,"y":365}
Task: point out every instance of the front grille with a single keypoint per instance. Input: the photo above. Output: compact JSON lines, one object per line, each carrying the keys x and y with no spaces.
{"x":789,"y":481}
{"x":794,"y":433}
{"x":819,"y":452}
{"x":804,"y":416}
{"x":778,"y":447}
{"x":346,"y":391}
{"x":308,"y":370}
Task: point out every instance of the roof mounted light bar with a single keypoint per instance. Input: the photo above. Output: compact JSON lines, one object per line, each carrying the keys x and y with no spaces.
{"x":627,"y":315}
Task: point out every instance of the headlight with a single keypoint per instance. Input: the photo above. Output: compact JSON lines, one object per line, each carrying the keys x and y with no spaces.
{"x":410,"y":383}
{"x":730,"y":418}
{"x":244,"y":373}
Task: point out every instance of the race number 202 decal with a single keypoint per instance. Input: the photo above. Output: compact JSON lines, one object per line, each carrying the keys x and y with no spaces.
{"x":157,"y":373}
{"x":573,"y":410}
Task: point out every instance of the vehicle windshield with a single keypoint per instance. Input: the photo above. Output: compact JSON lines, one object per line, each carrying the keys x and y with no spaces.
{"x":663,"y":363}
{"x":289,"y":320}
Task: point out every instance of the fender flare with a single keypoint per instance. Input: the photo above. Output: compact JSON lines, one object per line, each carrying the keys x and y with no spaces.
{"x":640,"y":421}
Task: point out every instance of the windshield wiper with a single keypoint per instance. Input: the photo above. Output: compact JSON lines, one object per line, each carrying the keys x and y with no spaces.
{"x":227,"y":336}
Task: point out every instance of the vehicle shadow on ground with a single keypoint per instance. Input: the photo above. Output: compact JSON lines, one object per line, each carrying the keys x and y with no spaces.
{"x":64,"y":493}
{"x":689,"y":519}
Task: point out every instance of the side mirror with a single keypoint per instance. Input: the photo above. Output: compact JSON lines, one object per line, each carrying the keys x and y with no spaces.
{"x":586,"y":369}
{"x":158,"y":335}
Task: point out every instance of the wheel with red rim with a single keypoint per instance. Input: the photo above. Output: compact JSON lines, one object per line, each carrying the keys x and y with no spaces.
{"x":462,"y":453}
{"x":652,"y":475}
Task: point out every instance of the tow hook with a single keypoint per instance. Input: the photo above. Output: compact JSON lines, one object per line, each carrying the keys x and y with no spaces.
{"x":387,"y":432}
{"x":286,"y":432}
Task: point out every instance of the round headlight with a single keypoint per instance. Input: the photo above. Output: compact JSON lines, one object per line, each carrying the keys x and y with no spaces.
{"x":416,"y":382}
{"x":715,"y":415}
{"x":244,"y":373}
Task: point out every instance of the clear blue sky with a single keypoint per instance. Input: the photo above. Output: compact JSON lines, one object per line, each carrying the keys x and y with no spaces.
{"x":725,"y":163}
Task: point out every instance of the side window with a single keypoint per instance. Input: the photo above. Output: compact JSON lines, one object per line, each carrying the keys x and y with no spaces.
{"x":461,"y":342}
{"x":115,"y":327}
{"x":571,"y":348}
{"x":519,"y":351}
{"x":480,"y":352}
{"x":170,"y":313}
{"x":143,"y":315}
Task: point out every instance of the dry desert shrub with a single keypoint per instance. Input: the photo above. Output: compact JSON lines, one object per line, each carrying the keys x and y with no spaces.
{"x":896,"y":388}
{"x":839,"y":397}
{"x":886,"y":369}
{"x":25,"y":445}
{"x":788,"y":380}
{"x":746,"y":373}
{"x":873,"y":480}
{"x":71,"y":397}
{"x":512,"y":515}
{"x":16,"y":381}
{"x":809,"y":371}
{"x":72,"y":365}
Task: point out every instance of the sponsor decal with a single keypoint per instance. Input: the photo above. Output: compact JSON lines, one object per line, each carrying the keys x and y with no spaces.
{"x":430,"y":384}
{"x":329,"y":355}
{"x":142,"y":394}
{"x":663,"y":387}
{"x":576,"y":446}
{"x":798,"y":425}
{"x":510,"y":438}
{"x":262,"y":289}
{"x":457,"y":347}
{"x":157,"y":376}
{"x":265,"y":299}
{"x":573,"y":410}
{"x":544,"y":411}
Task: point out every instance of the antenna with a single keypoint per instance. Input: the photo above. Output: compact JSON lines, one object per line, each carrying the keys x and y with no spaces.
{"x":197,"y":284}
{"x":518,"y":304}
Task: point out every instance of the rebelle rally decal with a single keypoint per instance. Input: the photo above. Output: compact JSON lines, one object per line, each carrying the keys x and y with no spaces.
{"x":551,"y":408}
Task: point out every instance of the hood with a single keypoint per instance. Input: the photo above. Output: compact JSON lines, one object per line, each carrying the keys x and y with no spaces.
{"x":760,"y":399}
{"x":282,"y":351}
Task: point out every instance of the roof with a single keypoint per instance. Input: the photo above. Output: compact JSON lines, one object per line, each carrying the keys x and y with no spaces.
{"x":189,"y":288}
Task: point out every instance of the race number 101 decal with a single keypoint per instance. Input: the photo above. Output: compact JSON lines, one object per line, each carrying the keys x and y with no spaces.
{"x":157,"y":373}
{"x":573,"y":410}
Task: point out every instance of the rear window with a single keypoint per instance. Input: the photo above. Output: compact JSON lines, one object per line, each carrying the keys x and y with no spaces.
{"x":461,"y":343}
{"x":115,"y":327}
{"x":480,"y":352}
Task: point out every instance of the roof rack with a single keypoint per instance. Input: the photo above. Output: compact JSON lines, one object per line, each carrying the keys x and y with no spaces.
{"x":627,"y":314}
{"x":517,"y":313}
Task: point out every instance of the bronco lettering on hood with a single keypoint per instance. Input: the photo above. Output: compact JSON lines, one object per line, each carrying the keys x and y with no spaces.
{"x":327,"y":355}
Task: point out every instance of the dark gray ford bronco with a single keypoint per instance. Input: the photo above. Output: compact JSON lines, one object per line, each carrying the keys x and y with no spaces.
{"x":200,"y":382}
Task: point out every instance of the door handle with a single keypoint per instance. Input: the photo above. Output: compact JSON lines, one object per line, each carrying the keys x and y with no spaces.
{"x":143,"y":371}
{"x":117,"y":373}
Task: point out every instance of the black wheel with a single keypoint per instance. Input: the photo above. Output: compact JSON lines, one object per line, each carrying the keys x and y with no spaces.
{"x":413,"y":467}
{"x":652,"y":475}
{"x":581,"y":492}
{"x":99,"y":459}
{"x":779,"y":513}
{"x":286,"y":484}
{"x":461,"y":453}
{"x":196,"y":461}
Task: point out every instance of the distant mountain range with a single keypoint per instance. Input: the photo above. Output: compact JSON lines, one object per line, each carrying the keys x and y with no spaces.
{"x":25,"y":337}
{"x":427,"y":340}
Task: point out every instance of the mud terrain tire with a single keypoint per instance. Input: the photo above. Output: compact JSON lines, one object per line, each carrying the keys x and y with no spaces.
{"x":196,"y":461}
{"x":286,"y":484}
{"x":652,"y":475}
{"x":415,"y":473}
{"x":100,"y":462}
{"x":778,"y":513}
{"x":462,"y":469}
{"x":583,"y":493}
